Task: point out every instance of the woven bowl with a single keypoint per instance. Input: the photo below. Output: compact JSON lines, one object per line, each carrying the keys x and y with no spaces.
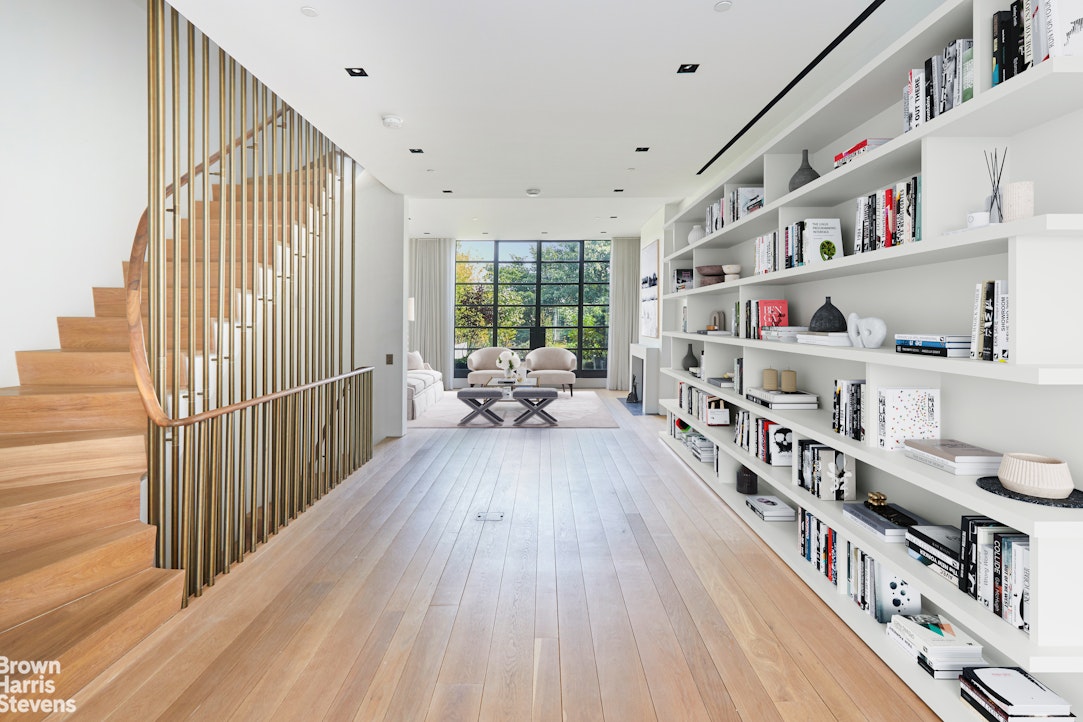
{"x":1035,"y":475}
{"x":710,"y":270}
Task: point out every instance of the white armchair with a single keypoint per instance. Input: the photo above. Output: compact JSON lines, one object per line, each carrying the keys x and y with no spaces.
{"x":552,"y":366}
{"x":482,"y":365}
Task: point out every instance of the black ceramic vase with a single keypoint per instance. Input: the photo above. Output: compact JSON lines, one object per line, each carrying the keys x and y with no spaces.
{"x":827,"y":318}
{"x":804,"y":174}
{"x":689,"y":359}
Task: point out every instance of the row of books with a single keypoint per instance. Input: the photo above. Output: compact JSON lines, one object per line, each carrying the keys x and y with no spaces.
{"x":996,"y":560}
{"x":749,"y":317}
{"x":930,"y":344}
{"x":818,"y":544}
{"x":1032,"y":31}
{"x":937,"y":547}
{"x":682,"y":279}
{"x":937,"y":645}
{"x":734,"y":206}
{"x":888,"y":217}
{"x":769,"y":441}
{"x":944,"y":81}
{"x":782,"y":334}
{"x":704,"y":406}
{"x":887,"y":522}
{"x":788,"y":400}
{"x":990,"y":329}
{"x":799,"y":244}
{"x":824,"y":472}
{"x":847,"y":417}
{"x":875,"y":589}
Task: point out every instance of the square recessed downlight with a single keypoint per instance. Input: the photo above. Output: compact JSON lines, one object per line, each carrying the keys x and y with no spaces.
{"x":356,"y":72}
{"x":688,"y":67}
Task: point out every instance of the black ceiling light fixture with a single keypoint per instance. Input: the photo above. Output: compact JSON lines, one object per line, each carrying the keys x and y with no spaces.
{"x":356,"y":72}
{"x":687,"y":67}
{"x":618,"y":190}
{"x":642,"y":149}
{"x":416,"y":150}
{"x":797,"y":79}
{"x":446,"y":191}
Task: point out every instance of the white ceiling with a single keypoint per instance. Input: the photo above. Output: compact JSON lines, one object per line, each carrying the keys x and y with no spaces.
{"x":505,"y":95}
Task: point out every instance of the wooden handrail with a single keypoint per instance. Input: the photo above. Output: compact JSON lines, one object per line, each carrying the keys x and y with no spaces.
{"x":137,"y":345}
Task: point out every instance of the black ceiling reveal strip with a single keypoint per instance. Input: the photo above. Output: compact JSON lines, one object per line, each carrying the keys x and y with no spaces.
{"x":800,"y":76}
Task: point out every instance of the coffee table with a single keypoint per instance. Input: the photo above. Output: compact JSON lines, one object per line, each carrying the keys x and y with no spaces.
{"x":509,"y":385}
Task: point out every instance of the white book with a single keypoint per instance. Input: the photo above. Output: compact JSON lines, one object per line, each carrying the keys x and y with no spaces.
{"x":859,"y":221}
{"x":1000,"y":321}
{"x":975,"y":328}
{"x":907,"y":413}
{"x":823,"y":239}
{"x":1040,"y":51}
{"x":917,"y":94}
{"x":1064,"y":26}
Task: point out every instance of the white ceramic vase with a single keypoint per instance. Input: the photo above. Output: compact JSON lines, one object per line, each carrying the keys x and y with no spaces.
{"x":696,"y":234}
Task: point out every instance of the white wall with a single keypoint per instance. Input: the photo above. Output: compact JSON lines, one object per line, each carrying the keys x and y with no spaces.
{"x":380,"y":310}
{"x":654,"y":230}
{"x":73,"y":158}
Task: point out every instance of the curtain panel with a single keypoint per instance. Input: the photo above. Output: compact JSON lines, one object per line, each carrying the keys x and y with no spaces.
{"x":623,"y":309}
{"x":432,"y":286}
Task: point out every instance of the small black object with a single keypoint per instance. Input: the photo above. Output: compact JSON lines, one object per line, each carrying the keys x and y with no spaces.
{"x":633,"y":395}
{"x":992,"y":484}
{"x":827,"y":319}
{"x":747,"y":481}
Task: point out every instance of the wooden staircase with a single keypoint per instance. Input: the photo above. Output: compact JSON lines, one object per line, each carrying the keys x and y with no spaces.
{"x":78,"y":583}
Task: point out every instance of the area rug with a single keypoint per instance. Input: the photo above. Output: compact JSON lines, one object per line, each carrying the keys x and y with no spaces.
{"x":582,"y":411}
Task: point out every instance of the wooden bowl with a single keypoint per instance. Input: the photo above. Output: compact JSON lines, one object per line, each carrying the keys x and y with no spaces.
{"x":710,"y":270}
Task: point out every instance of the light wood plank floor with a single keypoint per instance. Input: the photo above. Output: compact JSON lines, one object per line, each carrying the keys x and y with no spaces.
{"x":616,"y":586}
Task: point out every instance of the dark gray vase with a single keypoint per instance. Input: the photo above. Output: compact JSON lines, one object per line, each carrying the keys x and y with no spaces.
{"x":827,"y":318}
{"x":689,"y":359}
{"x":804,"y":174}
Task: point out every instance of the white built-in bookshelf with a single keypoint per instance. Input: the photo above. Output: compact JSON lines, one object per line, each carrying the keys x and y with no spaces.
{"x":1033,"y":403}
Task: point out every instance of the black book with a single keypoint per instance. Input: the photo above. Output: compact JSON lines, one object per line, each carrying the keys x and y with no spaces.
{"x":933,"y":351}
{"x":942,"y":537}
{"x":1018,"y":61}
{"x":987,"y":302}
{"x":1002,"y":22}
{"x":934,"y":555}
{"x":967,"y":533}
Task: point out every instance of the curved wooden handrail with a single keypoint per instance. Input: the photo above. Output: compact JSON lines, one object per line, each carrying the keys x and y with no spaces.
{"x":137,"y":345}
{"x":133,"y":297}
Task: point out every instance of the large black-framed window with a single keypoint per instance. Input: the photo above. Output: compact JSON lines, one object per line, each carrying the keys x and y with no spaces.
{"x":528,"y":294}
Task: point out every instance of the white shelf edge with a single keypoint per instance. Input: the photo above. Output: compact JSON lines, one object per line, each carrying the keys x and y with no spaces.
{"x":1011,"y":645}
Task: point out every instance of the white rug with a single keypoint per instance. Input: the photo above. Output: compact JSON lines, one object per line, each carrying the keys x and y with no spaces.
{"x":582,"y":411}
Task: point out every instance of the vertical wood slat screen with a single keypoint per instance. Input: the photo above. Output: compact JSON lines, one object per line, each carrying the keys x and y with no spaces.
{"x":239,"y":312}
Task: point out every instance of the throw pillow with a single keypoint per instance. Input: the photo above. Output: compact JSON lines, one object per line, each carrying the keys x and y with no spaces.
{"x":414,"y":362}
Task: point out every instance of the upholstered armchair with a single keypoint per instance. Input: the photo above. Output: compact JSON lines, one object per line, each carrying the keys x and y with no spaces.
{"x":552,"y":366}
{"x":482,"y":365}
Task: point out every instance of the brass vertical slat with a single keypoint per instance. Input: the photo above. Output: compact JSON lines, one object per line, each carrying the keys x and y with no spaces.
{"x":171,"y":375}
{"x":294,"y":190}
{"x":187,"y":511}
{"x":276,"y":244}
{"x":239,"y":313}
{"x":231,"y":236}
{"x":223,"y":178}
{"x":199,"y":509}
{"x":214,"y":498}
{"x":179,"y":354}
{"x":340,"y":331}
{"x":353,"y":261}
{"x":205,"y":329}
{"x":155,"y":191}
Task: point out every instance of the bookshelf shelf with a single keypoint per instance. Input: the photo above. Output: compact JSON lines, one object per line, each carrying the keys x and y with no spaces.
{"x":1032,"y":403}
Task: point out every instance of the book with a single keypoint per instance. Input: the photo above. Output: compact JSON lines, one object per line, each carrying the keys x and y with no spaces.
{"x":907,"y":413}
{"x":987,"y":302}
{"x":784,"y":396}
{"x":933,"y":344}
{"x":879,"y":525}
{"x":949,"y":338}
{"x":1002,"y":20}
{"x":770,"y":507}
{"x":774,"y":313}
{"x":824,"y":339}
{"x":968,"y":74}
{"x":1000,"y":321}
{"x":985,"y":707}
{"x":1015,"y":692}
{"x":933,"y":565}
{"x":822,"y":239}
{"x":941,"y":537}
{"x":963,"y":469}
{"x":953,"y":450}
{"x":1064,"y":27}
{"x":682,"y":279}
{"x":933,"y":351}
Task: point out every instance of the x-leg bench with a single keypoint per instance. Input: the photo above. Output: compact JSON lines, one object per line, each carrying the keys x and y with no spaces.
{"x":535,"y":400}
{"x":480,"y":401}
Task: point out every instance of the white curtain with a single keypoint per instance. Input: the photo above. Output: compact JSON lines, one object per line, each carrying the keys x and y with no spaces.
{"x":432,"y":269}
{"x":623,"y":309}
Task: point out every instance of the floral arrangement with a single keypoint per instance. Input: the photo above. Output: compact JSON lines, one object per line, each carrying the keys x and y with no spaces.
{"x":508,"y":361}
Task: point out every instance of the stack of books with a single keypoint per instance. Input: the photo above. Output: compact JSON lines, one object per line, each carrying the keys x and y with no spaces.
{"x":990,"y":328}
{"x":889,"y":526}
{"x":953,"y":456}
{"x":847,"y":408}
{"x":725,"y":381}
{"x":996,"y":568}
{"x":933,"y":344}
{"x":940,"y":648}
{"x":770,"y":508}
{"x":937,"y":546}
{"x":1009,"y":694}
{"x":824,"y":338}
{"x":783,"y":399}
{"x":858,"y":149}
{"x":701,"y":447}
{"x":785,"y":334}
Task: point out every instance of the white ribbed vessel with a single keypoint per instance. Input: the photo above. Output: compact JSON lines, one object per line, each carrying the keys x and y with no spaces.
{"x":1035,"y":475}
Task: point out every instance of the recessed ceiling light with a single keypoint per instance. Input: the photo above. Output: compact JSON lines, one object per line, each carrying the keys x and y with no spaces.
{"x":474,"y":219}
{"x":393,"y":122}
{"x":612,"y":217}
{"x":688,"y":67}
{"x":604,"y":232}
{"x":618,"y":190}
{"x":545,"y":233}
{"x":485,"y":233}
{"x":356,"y":72}
{"x":447,"y":191}
{"x":722,"y":6}
{"x":642,"y":149}
{"x":418,"y":150}
{"x":631,"y":169}
{"x":427,"y":170}
{"x":533,"y":192}
{"x":428,"y":233}
{"x":309,"y":12}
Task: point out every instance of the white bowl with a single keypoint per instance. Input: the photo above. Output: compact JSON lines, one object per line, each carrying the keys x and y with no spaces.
{"x":732,"y":277}
{"x":1035,"y":475}
{"x":731,"y":268}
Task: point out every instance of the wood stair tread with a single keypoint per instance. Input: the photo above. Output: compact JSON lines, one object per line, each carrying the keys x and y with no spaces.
{"x":13,"y":496}
{"x":32,"y":438}
{"x":60,"y":390}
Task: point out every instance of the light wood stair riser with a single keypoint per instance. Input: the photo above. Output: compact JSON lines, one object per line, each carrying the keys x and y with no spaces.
{"x":58,"y":408}
{"x":38,"y":580}
{"x":28,"y":459}
{"x":89,"y":634}
{"x":111,"y":302}
{"x":45,"y":513}
{"x":75,"y":368}
{"x":110,"y":333}
{"x":211,"y":268}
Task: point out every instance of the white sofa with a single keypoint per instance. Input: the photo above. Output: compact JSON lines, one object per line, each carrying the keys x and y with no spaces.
{"x":424,"y":385}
